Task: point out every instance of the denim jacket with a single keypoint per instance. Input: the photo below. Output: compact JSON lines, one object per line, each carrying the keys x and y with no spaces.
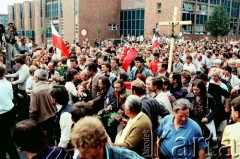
{"x":120,"y":153}
{"x":133,"y":74}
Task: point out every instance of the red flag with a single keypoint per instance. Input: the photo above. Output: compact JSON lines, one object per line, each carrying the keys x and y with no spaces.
{"x":155,"y":44}
{"x":58,"y":42}
{"x":130,"y":57}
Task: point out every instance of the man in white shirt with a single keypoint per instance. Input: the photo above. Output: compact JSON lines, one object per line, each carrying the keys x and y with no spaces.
{"x":156,"y":85}
{"x":6,"y":117}
{"x":189,"y":66}
{"x":22,"y":74}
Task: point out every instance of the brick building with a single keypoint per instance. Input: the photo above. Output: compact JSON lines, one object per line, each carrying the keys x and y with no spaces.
{"x":114,"y":18}
{"x":154,"y":11}
{"x":68,"y":17}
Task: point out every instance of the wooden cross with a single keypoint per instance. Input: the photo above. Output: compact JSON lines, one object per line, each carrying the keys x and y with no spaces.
{"x":173,"y":24}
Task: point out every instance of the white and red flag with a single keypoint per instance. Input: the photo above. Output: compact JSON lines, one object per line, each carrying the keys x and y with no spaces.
{"x":58,"y":42}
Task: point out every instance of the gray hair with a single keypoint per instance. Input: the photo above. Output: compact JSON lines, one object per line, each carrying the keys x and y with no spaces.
{"x":133,"y":103}
{"x":41,"y":74}
{"x":181,"y":104}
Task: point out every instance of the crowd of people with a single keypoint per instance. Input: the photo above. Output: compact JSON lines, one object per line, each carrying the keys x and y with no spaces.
{"x":89,"y":107}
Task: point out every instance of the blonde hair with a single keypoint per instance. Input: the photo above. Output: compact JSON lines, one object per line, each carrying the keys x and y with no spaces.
{"x":231,"y":62}
{"x":217,"y":71}
{"x":87,"y":133}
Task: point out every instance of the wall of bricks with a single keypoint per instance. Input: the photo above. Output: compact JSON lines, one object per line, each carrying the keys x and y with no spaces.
{"x":99,"y":14}
{"x":152,"y":17}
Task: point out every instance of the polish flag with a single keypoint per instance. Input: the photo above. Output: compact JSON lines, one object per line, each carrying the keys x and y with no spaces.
{"x":58,"y":42}
{"x":132,"y":53}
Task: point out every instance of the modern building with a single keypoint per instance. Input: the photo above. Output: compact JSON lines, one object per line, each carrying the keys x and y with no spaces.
{"x":22,"y":15}
{"x":4,"y":20}
{"x":154,"y":11}
{"x":111,"y":19}
{"x":100,"y":19}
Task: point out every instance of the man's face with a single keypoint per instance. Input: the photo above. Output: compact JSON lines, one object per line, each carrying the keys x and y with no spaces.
{"x":138,"y":64}
{"x":104,"y":69}
{"x":181,"y":116}
{"x":24,"y":41}
{"x":73,"y":64}
{"x":159,"y":67}
{"x":91,"y":153}
{"x":117,"y":87}
{"x":171,"y":79}
{"x":188,"y":61}
{"x":234,"y":114}
{"x":90,"y":72}
{"x":176,"y":60}
{"x":50,"y":66}
{"x":1,"y":58}
{"x":18,"y":64}
{"x":100,"y":84}
{"x":149,"y":85}
{"x":113,"y":64}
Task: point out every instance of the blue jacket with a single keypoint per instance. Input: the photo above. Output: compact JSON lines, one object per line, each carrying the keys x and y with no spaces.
{"x":133,"y":73}
{"x":121,"y":153}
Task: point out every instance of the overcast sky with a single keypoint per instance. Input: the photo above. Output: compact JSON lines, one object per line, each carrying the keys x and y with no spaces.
{"x":5,"y":3}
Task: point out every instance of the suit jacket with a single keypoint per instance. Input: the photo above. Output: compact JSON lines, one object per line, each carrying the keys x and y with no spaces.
{"x":138,"y":136}
{"x":177,"y":67}
{"x":94,"y":83}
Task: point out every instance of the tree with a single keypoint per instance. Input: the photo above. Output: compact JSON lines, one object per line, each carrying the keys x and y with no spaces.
{"x":218,"y":23}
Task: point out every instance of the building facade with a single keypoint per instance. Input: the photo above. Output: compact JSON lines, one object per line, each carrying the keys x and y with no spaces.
{"x":4,"y":20}
{"x":33,"y":19}
{"x":109,"y":19}
{"x":197,"y":11}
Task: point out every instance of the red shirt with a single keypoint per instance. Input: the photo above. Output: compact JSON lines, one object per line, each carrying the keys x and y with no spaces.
{"x":153,"y":66}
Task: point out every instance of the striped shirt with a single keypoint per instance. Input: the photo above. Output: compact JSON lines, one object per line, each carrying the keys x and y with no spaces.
{"x":52,"y":153}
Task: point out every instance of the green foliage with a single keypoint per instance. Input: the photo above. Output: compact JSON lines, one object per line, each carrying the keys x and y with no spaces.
{"x":218,"y":23}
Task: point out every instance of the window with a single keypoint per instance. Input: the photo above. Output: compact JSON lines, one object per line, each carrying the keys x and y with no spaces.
{"x":159,"y":7}
{"x":112,"y":26}
{"x":188,"y":7}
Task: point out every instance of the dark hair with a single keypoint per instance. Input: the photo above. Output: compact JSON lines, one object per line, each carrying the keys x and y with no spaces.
{"x":120,"y":82}
{"x":29,"y":136}
{"x":105,"y":81}
{"x":2,"y":71}
{"x":123,"y":76}
{"x":115,"y":59}
{"x":140,"y":59}
{"x":93,"y":67}
{"x":164,"y":65}
{"x":177,"y":77}
{"x":201,"y":86}
{"x":235,"y":103}
{"x":156,"y":54}
{"x":157,"y":81}
{"x":189,"y":57}
{"x":166,"y":82}
{"x":64,"y":60}
{"x":60,"y":94}
{"x":23,"y":38}
{"x":228,"y":68}
{"x":202,"y":76}
{"x":108,"y":65}
{"x":70,"y":74}
{"x":20,"y":60}
{"x":80,"y":110}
